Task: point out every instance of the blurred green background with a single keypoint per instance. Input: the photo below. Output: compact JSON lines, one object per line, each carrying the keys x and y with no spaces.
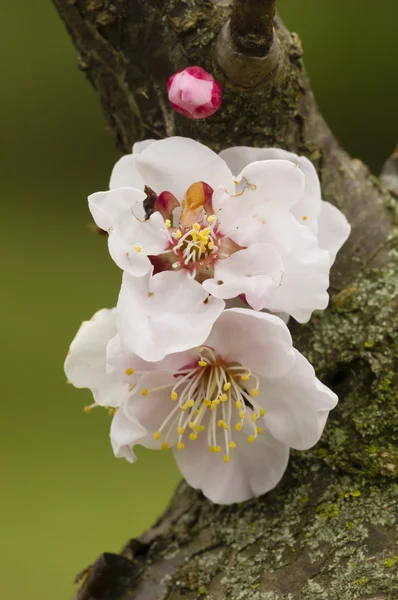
{"x":64,"y":498}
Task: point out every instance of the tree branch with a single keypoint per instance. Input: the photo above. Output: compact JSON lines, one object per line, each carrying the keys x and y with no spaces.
{"x":329,"y":530}
{"x":252,"y":25}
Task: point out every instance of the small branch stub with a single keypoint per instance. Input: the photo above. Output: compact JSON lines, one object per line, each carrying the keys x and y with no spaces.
{"x":252,"y":26}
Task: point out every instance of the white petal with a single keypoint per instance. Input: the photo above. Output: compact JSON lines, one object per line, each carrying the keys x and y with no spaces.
{"x":175,"y":163}
{"x":139,"y":147}
{"x":334,"y":229}
{"x":271,"y":189}
{"x":124,"y":434}
{"x":131,"y":238}
{"x":309,"y":206}
{"x":113,"y":209}
{"x":163,"y":314}
{"x":253,"y":470}
{"x":125,"y":172}
{"x":305,"y":281}
{"x":259,"y":341}
{"x":253,"y":272}
{"x":85,"y":365}
{"x":296,"y":405}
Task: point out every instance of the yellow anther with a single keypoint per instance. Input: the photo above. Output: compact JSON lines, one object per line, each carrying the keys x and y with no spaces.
{"x":211,"y":448}
{"x":245,"y":377}
{"x":238,"y":426}
{"x":138,"y":248}
{"x":238,"y":404}
{"x":191,"y":425}
{"x":304,"y":217}
{"x":254,"y":393}
{"x":190,"y":403}
{"x":180,"y":445}
{"x":177,"y":234}
{"x":87,"y":409}
{"x":193,"y":436}
{"x":111,"y":411}
{"x":181,"y":430}
{"x":211,"y":218}
{"x":129,"y":372}
{"x":207,"y":402}
{"x":251,"y":439}
{"x":254,"y":417}
{"x":156,"y":435}
{"x":167,"y":223}
{"x":184,"y":407}
{"x":202,"y":363}
{"x":223,"y":397}
{"x":259,"y":430}
{"x":174,"y":395}
{"x":144,"y":392}
{"x":220,"y":423}
{"x":227,"y":458}
{"x":241,"y":414}
{"x":201,"y":349}
{"x":226,"y":386}
{"x":196,"y":227}
{"x":210,"y":245}
{"x":200,"y":428}
{"x":225,"y":425}
{"x":217,"y":448}
{"x":165,"y":446}
{"x":216,"y":401}
{"x":212,"y":406}
{"x":262,"y":412}
{"x":196,"y":413}
{"x":205,"y":232}
{"x":232,"y":445}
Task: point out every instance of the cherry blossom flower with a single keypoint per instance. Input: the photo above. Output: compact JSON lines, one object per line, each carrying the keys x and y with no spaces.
{"x":230,"y":408}
{"x":194,"y":93}
{"x":265,"y":235}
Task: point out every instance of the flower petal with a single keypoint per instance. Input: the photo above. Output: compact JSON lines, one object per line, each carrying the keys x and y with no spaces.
{"x":175,"y":163}
{"x":334,"y":229}
{"x":254,"y":469}
{"x":237,"y":158}
{"x":259,"y":341}
{"x":163,"y":314}
{"x":253,"y":272}
{"x":125,"y":172}
{"x":85,"y":364}
{"x":131,"y":237}
{"x":270,"y":190}
{"x":305,"y":281}
{"x":296,"y":405}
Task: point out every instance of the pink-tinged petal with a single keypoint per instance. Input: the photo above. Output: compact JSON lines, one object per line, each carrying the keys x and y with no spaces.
{"x":197,"y":198}
{"x":308,"y":208}
{"x":266,"y":193}
{"x":165,"y":204}
{"x":164,"y":314}
{"x":85,"y":365}
{"x":296,"y":405}
{"x":254,"y":272}
{"x":175,"y":163}
{"x":259,"y":341}
{"x":253,"y":470}
{"x":334,"y":229}
{"x":305,"y":280}
{"x":125,"y":433}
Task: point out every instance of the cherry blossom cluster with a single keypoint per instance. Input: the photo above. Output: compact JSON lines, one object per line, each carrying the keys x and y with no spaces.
{"x":217,"y":253}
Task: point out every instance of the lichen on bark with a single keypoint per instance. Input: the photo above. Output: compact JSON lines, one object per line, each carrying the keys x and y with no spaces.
{"x":329,"y":531}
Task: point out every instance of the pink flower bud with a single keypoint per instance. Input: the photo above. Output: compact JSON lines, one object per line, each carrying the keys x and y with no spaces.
{"x":194,"y":93}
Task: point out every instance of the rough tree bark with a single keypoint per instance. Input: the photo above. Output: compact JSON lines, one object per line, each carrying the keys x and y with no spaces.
{"x":329,"y":531}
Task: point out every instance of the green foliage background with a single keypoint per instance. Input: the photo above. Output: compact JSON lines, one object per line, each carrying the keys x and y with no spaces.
{"x":64,"y":498}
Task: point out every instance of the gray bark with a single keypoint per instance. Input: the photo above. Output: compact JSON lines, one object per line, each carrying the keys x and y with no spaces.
{"x":329,"y":531}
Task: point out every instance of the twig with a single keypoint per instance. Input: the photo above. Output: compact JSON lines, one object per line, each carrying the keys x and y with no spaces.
{"x":252,"y":25}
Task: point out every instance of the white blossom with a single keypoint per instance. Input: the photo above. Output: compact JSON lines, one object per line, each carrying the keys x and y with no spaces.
{"x":230,"y":409}
{"x":264,"y":236}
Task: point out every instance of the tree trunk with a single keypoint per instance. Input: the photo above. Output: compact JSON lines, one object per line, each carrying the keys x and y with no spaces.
{"x":329,"y":531}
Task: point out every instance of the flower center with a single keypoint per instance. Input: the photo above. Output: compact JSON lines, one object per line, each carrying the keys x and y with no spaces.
{"x":195,"y":247}
{"x":213,"y":398}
